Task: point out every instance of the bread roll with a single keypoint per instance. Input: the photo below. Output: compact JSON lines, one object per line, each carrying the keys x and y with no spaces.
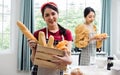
{"x":62,"y":45}
{"x":104,"y":35}
{"x":76,"y":71}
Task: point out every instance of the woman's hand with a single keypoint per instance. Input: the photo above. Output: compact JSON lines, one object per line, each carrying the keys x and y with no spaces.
{"x":33,"y":46}
{"x":65,"y":60}
{"x":99,"y":37}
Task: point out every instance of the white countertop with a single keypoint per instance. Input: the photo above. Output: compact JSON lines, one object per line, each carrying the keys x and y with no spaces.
{"x":90,"y":70}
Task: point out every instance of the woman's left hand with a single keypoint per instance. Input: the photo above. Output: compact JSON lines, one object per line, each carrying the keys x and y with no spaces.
{"x":65,"y":60}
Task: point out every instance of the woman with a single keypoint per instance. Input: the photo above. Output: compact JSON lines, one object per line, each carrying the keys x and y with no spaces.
{"x":50,"y":15}
{"x":86,"y":39}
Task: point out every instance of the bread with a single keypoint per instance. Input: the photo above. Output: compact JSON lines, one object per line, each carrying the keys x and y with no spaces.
{"x":99,"y":43}
{"x":25,"y":31}
{"x":50,"y":42}
{"x":76,"y":71}
{"x":103,"y":35}
{"x":62,"y":45}
{"x":41,"y":39}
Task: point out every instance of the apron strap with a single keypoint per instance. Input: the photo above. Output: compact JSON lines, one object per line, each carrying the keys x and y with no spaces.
{"x":48,"y":38}
{"x":46,"y":33}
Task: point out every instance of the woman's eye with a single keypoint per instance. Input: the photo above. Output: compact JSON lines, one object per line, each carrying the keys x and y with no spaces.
{"x":53,"y":13}
{"x":46,"y":15}
{"x":90,"y":16}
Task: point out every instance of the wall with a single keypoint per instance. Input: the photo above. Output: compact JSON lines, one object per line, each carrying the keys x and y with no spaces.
{"x":8,"y":59}
{"x":115,"y":16}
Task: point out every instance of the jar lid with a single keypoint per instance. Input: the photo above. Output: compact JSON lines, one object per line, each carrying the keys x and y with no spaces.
{"x":111,"y":58}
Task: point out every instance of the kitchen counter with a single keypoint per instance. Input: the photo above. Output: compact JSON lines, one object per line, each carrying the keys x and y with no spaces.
{"x":90,"y":70}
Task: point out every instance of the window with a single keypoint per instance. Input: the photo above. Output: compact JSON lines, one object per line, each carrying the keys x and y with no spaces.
{"x":71,"y":12}
{"x":5,"y":11}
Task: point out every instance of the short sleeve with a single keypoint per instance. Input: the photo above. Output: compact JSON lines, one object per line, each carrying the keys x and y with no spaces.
{"x":68,"y":35}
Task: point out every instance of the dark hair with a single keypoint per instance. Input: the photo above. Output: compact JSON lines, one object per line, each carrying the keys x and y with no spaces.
{"x":49,"y":6}
{"x":87,"y":10}
{"x":62,"y":30}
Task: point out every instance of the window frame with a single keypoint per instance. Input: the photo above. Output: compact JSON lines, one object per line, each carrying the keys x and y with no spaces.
{"x":5,"y":11}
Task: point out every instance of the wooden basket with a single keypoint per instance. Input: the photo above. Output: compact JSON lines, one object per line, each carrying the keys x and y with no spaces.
{"x":44,"y":56}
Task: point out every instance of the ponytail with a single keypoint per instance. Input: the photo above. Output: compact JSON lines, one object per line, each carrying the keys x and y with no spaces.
{"x":62,"y":30}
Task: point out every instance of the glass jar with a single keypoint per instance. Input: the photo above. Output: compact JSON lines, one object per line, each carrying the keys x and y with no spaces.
{"x":109,"y":63}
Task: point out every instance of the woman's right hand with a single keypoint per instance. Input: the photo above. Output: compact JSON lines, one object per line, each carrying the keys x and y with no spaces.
{"x":32,"y":44}
{"x":65,"y":60}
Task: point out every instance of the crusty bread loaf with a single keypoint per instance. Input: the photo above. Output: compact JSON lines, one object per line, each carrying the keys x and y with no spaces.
{"x":76,"y":71}
{"x":103,"y":35}
{"x":62,"y":45}
{"x":41,"y":39}
{"x":50,"y":42}
{"x":25,"y":31}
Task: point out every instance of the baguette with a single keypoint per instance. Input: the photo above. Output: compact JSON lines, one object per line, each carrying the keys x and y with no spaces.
{"x":25,"y":31}
{"x":50,"y":42}
{"x":41,"y":39}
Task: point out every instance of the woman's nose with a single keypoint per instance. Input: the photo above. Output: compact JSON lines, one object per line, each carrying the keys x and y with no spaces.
{"x":51,"y":17}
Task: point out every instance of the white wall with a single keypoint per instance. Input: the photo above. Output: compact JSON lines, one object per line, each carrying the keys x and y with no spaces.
{"x":115,"y":22}
{"x":8,"y":61}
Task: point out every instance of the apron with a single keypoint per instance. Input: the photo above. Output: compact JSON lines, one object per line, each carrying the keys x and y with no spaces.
{"x":46,"y":71}
{"x":88,"y":53}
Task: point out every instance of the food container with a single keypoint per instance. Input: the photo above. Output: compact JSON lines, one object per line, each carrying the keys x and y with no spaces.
{"x":44,"y":56}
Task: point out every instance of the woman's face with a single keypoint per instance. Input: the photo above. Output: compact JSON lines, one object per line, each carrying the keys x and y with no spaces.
{"x":50,"y":16}
{"x":90,"y":17}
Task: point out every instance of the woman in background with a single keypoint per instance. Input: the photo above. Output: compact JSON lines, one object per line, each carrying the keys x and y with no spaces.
{"x":50,"y":15}
{"x":85,"y":38}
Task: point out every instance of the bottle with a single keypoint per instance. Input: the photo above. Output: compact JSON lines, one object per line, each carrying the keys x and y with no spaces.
{"x":34,"y":70}
{"x":109,"y":63}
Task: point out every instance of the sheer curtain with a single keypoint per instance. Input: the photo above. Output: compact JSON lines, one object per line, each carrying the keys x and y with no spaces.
{"x":106,"y":24}
{"x":26,"y":16}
